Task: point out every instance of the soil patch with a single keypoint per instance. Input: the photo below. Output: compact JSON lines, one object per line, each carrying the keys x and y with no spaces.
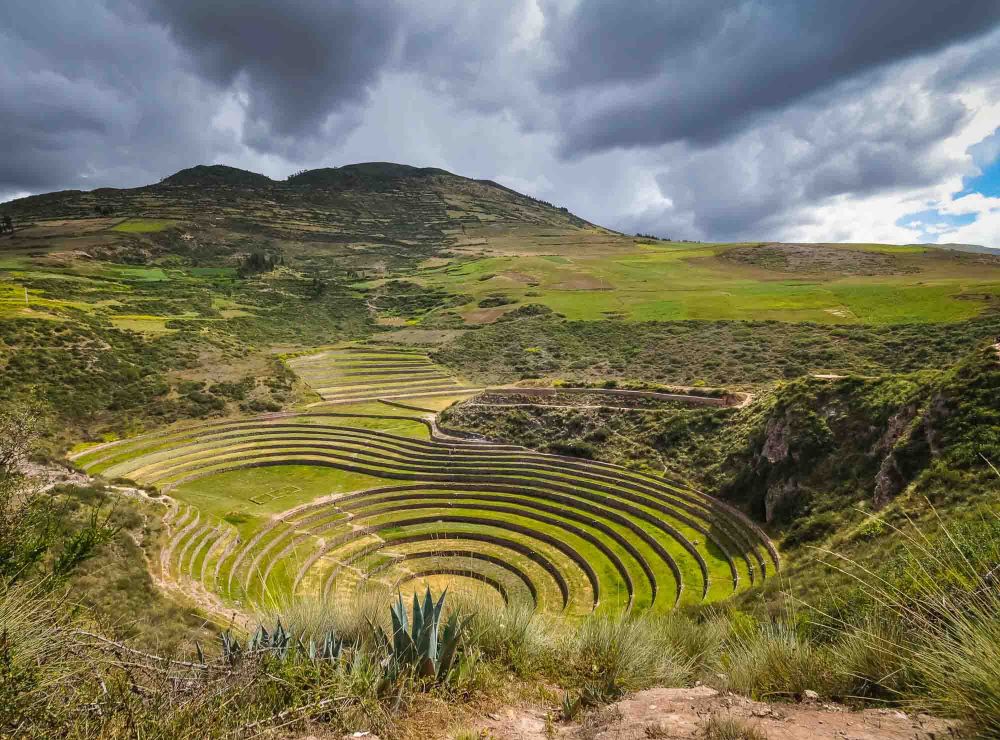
{"x":682,"y":713}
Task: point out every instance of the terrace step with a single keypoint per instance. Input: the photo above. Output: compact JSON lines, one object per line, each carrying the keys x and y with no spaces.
{"x":568,"y":535}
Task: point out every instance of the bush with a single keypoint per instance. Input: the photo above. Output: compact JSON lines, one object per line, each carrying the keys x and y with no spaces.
{"x":727,"y":727}
{"x":573,"y":448}
{"x":932,"y":633}
{"x":492,"y":301}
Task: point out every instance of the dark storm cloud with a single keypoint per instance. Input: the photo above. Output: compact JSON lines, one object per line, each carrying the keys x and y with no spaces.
{"x":648,"y":73}
{"x":759,"y":183}
{"x":742,"y":114}
{"x":89,"y":96}
{"x":297,"y":61}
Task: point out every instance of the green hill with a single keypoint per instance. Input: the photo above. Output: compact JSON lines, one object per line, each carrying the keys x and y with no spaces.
{"x":217,"y":175}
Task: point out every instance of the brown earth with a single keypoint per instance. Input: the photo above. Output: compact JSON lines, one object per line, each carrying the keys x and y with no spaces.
{"x":682,"y":713}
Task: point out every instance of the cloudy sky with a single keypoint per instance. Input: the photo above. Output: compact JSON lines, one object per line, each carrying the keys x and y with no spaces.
{"x":800,"y":120}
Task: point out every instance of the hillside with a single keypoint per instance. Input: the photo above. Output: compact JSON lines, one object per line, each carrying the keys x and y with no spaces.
{"x":374,"y":203}
{"x":630,"y":462}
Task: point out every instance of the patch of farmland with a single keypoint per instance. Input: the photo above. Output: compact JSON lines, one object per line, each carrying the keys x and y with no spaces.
{"x":363,"y":373}
{"x":331,"y":505}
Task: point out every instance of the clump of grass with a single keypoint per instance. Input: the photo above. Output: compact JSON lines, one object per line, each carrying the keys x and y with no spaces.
{"x":700,"y":643}
{"x":513,"y":635}
{"x":959,"y":666}
{"x":627,"y":655}
{"x":37,"y":664}
{"x":349,"y":619}
{"x":944,"y":612}
{"x":470,"y":735}
{"x":656,"y":730}
{"x":775,"y":661}
{"x":727,"y":727}
{"x":869,"y":664}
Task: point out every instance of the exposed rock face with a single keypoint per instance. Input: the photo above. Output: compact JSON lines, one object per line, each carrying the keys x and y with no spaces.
{"x":775,"y":451}
{"x":889,"y":482}
{"x":897,"y":425}
{"x":779,"y":497}
{"x":912,"y":434}
{"x":776,"y":435}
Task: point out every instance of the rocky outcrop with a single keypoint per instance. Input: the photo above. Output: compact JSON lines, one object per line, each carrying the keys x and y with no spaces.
{"x":780,"y":497}
{"x":896,"y":427}
{"x":776,"y":440}
{"x":777,"y":462}
{"x":889,"y":482}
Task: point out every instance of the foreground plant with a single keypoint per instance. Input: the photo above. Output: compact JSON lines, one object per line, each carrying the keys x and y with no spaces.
{"x":279,"y":643}
{"x":423,"y":646}
{"x":944,"y":607}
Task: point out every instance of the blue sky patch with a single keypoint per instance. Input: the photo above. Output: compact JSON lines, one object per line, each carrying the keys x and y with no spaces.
{"x":931,"y":223}
{"x":987,"y":183}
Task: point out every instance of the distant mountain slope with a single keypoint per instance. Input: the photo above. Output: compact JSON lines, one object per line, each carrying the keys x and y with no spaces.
{"x":371,"y":202}
{"x":217,"y":175}
{"x":973,"y":248}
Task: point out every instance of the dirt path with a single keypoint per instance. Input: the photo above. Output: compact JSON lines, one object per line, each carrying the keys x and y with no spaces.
{"x":682,"y":714}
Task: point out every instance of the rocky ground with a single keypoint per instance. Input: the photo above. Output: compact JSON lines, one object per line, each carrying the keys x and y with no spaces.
{"x":689,"y":714}
{"x":685,"y":713}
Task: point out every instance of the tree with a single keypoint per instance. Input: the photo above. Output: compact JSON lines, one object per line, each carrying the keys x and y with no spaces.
{"x":257,"y":262}
{"x":7,"y":224}
{"x":30,"y":531}
{"x":317,"y":285}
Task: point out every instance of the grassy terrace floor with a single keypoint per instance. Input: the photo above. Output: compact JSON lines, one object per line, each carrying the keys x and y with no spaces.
{"x":330,"y":503}
{"x":359,"y":373}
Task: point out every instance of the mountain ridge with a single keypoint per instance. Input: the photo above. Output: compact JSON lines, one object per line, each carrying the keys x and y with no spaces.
{"x":370,"y":202}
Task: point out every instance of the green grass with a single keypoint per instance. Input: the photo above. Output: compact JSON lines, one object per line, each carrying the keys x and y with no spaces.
{"x":144,"y":274}
{"x":715,"y":353}
{"x":681,"y":282}
{"x":143,"y":324}
{"x":359,"y":372}
{"x":144,"y":225}
{"x":213,"y":272}
{"x":229,"y":492}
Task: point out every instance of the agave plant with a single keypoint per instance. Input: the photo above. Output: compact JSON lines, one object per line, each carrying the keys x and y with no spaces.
{"x":424,"y":645}
{"x":282,"y":644}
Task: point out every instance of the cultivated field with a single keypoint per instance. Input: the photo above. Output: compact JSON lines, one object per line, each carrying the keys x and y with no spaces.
{"x":356,"y":373}
{"x":329,"y":505}
{"x":615,"y":277}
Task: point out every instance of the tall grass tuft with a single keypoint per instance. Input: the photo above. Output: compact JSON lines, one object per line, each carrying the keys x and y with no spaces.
{"x":625,"y":654}
{"x":774,"y":661}
{"x":37,"y":662}
{"x":727,"y":727}
{"x":350,"y":619}
{"x":513,"y":635}
{"x":699,"y":642}
{"x":944,"y":608}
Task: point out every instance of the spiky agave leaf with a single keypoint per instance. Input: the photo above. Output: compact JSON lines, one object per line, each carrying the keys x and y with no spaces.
{"x":450,"y":641}
{"x":232,"y":650}
{"x":333,"y":647}
{"x":426,"y":636}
